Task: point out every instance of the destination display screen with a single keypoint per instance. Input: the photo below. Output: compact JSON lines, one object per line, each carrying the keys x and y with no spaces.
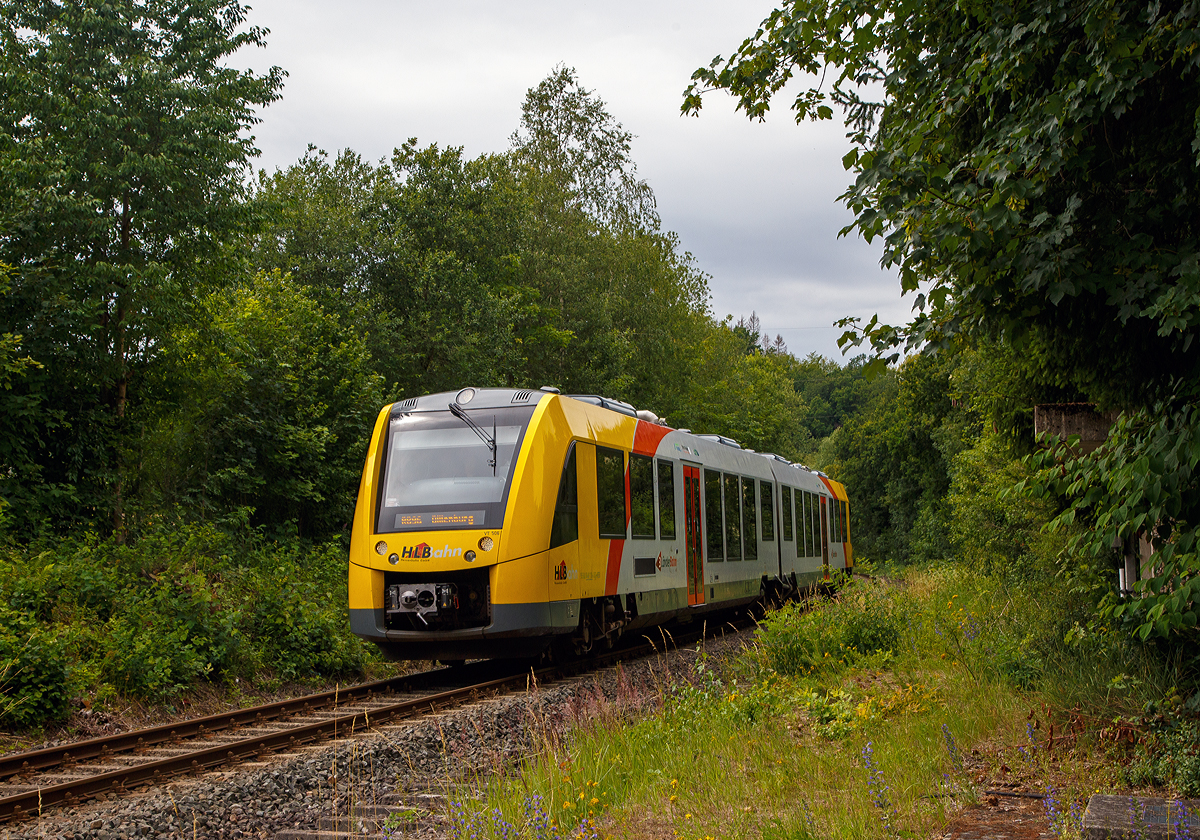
{"x":441,"y":519}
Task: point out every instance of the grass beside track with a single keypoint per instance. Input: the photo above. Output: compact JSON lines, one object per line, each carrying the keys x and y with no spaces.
{"x":879,"y":712}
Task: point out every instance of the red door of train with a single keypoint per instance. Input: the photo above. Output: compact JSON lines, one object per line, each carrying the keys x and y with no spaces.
{"x":691,"y":530}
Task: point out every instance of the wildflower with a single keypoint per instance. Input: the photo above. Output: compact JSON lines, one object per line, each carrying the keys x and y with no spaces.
{"x":878,"y":787}
{"x":956,"y":759}
{"x":1183,"y":819}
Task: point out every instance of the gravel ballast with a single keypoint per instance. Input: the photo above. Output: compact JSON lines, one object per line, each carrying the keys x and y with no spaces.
{"x":293,"y":791}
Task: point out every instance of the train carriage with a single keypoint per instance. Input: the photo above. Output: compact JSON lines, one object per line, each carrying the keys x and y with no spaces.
{"x":499,"y":522}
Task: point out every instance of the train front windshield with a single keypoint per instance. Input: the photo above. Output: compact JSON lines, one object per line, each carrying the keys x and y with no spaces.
{"x":437,"y":471}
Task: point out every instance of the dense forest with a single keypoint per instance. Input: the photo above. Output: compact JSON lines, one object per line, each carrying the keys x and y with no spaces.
{"x":193,"y":352}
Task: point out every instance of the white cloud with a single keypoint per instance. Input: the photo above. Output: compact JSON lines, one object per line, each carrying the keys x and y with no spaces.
{"x":754,"y":202}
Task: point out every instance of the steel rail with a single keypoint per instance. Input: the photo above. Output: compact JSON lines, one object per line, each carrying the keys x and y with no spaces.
{"x":33,"y":802}
{"x":109,"y":745}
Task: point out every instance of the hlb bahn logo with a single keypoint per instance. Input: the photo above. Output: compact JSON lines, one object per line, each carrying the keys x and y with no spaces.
{"x":423,"y":551}
{"x":561,"y":572}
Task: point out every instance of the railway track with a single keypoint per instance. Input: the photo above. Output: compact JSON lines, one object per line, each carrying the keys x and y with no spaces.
{"x":33,"y":783}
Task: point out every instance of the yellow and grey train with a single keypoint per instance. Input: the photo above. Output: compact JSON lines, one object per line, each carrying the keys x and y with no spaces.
{"x":502,"y":523}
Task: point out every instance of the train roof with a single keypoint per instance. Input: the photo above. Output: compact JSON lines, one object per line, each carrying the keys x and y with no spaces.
{"x":486,"y":398}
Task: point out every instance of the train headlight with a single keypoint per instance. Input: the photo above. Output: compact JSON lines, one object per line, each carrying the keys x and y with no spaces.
{"x":469,"y":556}
{"x":381,"y":548}
{"x":393,"y":558}
{"x":485,"y":544}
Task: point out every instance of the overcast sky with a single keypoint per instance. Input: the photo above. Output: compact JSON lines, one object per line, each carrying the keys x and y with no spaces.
{"x":754,"y":202}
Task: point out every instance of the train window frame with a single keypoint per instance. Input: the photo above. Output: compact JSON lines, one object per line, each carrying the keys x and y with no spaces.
{"x":733,"y":519}
{"x":785,"y":503}
{"x":566,"y":511}
{"x":719,"y":557}
{"x":641,"y":482}
{"x":801,"y":525}
{"x":766,"y":512}
{"x":819,"y":526}
{"x":809,"y":540}
{"x":750,"y":519}
{"x":665,"y":506}
{"x":604,"y":454}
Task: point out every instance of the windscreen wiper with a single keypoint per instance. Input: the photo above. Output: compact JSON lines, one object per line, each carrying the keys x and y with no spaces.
{"x":490,"y":440}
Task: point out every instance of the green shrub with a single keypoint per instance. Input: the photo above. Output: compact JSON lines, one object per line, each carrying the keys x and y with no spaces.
{"x":1169,"y":757}
{"x":864,"y":620}
{"x":33,"y":673}
{"x":300,"y":627}
{"x":177,"y":604}
{"x":168,"y":637}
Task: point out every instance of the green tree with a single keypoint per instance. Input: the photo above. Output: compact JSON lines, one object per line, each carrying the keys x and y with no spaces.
{"x":749,"y":397}
{"x":1032,"y":170}
{"x":422,"y":253}
{"x":1028,"y":166}
{"x":123,"y":150}
{"x":272,"y":402}
{"x":623,"y":307}
{"x":895,"y":460}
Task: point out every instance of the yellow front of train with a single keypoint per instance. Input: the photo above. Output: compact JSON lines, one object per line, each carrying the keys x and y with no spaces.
{"x":449,"y":552}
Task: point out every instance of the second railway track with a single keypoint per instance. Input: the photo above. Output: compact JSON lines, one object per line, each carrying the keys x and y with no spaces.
{"x":33,"y":782}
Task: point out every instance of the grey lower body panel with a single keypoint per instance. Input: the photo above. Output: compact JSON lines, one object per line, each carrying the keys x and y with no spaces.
{"x":517,"y":631}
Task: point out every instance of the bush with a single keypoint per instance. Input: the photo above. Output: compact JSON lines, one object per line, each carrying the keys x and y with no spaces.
{"x":178,"y":605}
{"x":301,"y":628}
{"x":33,"y":674}
{"x":173,"y":635}
{"x":1169,"y":757}
{"x":864,"y":620}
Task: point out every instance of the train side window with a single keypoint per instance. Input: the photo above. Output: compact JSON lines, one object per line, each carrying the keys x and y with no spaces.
{"x":817,"y":525}
{"x":767,"y":493}
{"x":666,"y":500}
{"x":846,"y":521}
{"x":733,"y":519}
{"x":801,"y":524}
{"x":565,"y":528}
{"x":610,"y":492}
{"x":807,"y":519}
{"x":750,"y":517}
{"x":786,"y":493}
{"x":714,"y":528}
{"x":641,"y":497}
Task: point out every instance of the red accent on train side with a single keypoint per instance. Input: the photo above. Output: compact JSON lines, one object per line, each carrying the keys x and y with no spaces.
{"x":647,"y":437}
{"x":615,"y":549}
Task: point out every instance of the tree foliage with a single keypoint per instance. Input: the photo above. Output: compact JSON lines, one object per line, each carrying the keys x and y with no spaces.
{"x":123,"y":151}
{"x":1032,"y":169}
{"x":264,"y":408}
